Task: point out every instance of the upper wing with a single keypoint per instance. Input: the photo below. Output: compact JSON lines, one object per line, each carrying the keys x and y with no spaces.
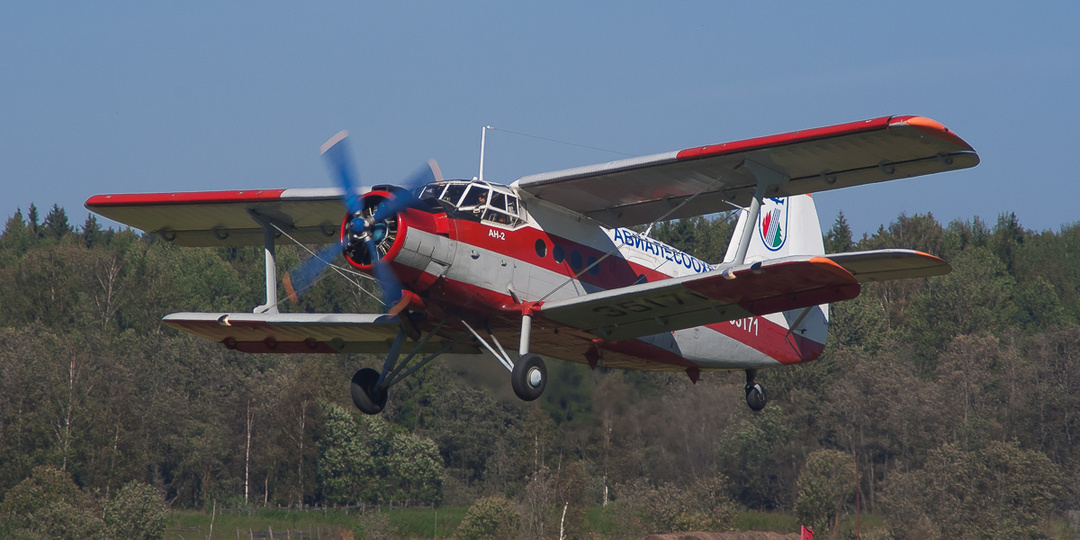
{"x":225,"y":218}
{"x":717,"y":296}
{"x":641,"y":190}
{"x":300,"y":332}
{"x":886,"y":264}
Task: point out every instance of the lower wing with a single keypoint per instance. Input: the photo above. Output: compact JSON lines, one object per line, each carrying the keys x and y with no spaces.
{"x":300,"y":332}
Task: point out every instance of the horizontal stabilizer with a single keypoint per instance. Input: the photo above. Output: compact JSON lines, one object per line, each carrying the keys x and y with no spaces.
{"x":888,"y":264}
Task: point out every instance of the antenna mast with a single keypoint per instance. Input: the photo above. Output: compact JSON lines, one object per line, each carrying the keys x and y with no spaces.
{"x":483,"y":140}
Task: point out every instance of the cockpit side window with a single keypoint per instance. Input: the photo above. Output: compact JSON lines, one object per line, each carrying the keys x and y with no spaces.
{"x":503,"y":209}
{"x":498,"y":201}
{"x":498,"y":217}
{"x":476,"y":196}
{"x":431,"y":191}
{"x":453,"y":193}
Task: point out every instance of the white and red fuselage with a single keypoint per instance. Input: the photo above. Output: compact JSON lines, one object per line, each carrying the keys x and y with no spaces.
{"x":481,"y":252}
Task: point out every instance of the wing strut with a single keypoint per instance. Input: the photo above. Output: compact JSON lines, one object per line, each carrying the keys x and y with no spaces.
{"x":271,"y":263}
{"x":768,"y":182}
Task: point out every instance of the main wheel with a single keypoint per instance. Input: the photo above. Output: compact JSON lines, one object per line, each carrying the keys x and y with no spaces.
{"x":529,"y":377}
{"x":756,"y":397}
{"x":364,"y":395}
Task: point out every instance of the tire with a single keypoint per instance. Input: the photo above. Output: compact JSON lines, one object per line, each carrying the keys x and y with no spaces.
{"x":364,"y":395}
{"x":756,"y":397}
{"x":529,"y":377}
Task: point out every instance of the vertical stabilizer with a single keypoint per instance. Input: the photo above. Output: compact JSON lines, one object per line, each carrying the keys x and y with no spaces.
{"x":785,"y":226}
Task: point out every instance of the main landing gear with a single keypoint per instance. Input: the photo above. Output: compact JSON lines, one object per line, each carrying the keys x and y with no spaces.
{"x":756,"y":397}
{"x":528,"y":376}
{"x":366,"y":394}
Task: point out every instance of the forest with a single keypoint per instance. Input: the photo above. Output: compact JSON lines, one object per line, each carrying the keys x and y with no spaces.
{"x":944,"y":407}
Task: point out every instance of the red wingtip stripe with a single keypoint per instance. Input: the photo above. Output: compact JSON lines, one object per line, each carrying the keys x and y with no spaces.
{"x":931,"y":127}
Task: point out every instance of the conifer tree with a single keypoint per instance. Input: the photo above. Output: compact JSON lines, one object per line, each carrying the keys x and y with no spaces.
{"x":56,"y":223}
{"x":838,"y":239}
{"x":16,"y":235}
{"x":91,"y":231}
{"x":32,"y":221}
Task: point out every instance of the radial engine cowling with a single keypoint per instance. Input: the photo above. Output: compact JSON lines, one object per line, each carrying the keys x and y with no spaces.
{"x":409,"y":241}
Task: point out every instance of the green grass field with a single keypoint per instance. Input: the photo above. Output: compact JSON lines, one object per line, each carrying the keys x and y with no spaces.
{"x":408,"y":523}
{"x":317,"y":524}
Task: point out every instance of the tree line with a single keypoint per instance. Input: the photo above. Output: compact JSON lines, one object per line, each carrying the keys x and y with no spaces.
{"x":957,"y":392}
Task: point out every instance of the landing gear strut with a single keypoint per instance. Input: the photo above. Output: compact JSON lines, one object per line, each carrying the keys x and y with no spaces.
{"x":756,"y":397}
{"x":369,"y":387}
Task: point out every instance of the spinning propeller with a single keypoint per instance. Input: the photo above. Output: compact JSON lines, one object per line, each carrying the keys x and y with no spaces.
{"x":368,"y":226}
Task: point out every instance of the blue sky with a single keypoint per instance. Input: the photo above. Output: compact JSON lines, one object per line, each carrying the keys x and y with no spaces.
{"x":111,"y":97}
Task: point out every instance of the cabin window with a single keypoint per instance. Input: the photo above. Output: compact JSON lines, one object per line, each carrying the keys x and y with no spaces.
{"x":541,"y":248}
{"x":594,"y":269}
{"x":575,"y":260}
{"x":558,"y":253}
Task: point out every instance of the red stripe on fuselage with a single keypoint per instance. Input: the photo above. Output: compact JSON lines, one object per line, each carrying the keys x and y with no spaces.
{"x":771,"y":339}
{"x":521,"y":243}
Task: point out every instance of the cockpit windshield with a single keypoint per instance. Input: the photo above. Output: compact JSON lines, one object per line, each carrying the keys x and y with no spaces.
{"x":488,"y":202}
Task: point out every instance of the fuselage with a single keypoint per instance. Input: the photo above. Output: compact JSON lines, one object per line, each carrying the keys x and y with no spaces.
{"x":481,"y":251}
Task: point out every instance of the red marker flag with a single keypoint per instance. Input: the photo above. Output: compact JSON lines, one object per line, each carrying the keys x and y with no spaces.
{"x":805,"y":534}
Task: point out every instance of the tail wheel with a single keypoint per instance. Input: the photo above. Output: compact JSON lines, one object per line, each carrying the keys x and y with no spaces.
{"x":529,"y":377}
{"x":364,"y":393}
{"x":756,"y":397}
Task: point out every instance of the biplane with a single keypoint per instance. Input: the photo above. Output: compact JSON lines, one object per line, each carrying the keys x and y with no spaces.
{"x":561,"y":265}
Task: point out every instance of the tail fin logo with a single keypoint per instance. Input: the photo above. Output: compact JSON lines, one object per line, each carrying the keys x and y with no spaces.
{"x":773,"y":224}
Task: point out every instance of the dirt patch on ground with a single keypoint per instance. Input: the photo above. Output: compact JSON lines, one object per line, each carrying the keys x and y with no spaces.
{"x":746,"y":535}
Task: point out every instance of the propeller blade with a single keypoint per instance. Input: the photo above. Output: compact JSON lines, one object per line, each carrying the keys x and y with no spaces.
{"x":394,"y":205}
{"x":304,"y":276}
{"x":424,"y":175}
{"x":336,"y":152}
{"x":384,"y":275}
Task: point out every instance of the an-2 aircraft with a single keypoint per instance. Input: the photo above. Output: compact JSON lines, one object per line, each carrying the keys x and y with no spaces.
{"x":550,"y":263}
